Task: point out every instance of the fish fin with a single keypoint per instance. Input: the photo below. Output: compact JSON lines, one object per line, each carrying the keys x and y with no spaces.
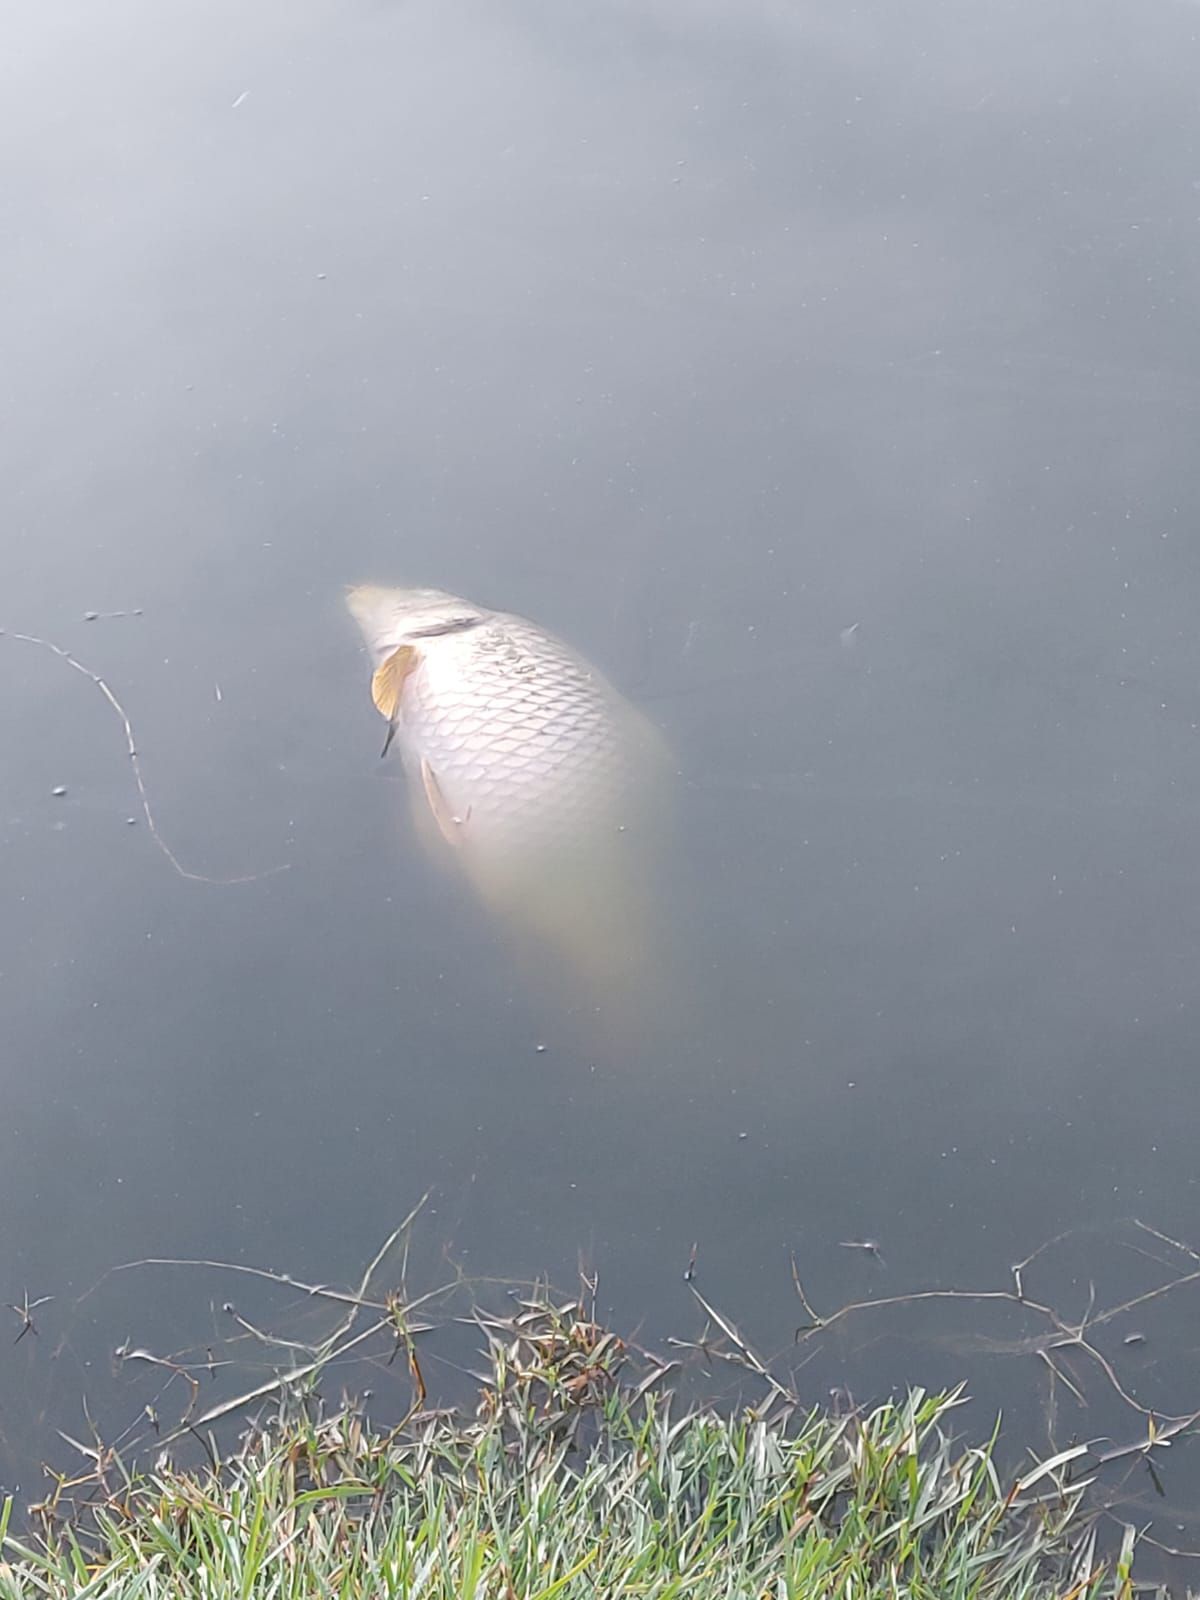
{"x":449,"y":825}
{"x":387,"y":686}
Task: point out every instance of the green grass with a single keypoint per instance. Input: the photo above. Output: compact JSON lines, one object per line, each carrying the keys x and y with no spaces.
{"x":576,"y":1477}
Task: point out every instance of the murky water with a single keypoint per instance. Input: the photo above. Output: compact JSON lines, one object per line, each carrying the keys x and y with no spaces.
{"x":830,"y":376}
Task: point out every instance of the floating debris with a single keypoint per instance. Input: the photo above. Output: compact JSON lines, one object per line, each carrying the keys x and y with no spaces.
{"x":869,"y":1247}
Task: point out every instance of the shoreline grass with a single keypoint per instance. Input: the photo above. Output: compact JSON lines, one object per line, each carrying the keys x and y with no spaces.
{"x":577,"y":1476}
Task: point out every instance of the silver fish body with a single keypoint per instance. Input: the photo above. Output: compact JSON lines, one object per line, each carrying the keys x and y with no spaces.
{"x":541,"y":780}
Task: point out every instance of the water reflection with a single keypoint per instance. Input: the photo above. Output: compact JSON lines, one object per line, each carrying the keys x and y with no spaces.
{"x":702,"y":334}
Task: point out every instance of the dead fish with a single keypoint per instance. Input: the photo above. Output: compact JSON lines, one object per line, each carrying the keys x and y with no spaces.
{"x":525,"y":765}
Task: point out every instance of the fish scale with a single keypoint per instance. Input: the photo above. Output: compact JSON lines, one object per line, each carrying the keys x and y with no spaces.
{"x":522,"y":737}
{"x":542,"y":781}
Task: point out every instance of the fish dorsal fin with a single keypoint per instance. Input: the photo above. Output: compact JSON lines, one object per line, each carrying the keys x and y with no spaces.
{"x":387,"y":686}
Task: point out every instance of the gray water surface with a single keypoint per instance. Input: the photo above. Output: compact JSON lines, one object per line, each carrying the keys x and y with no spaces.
{"x":830,"y":376}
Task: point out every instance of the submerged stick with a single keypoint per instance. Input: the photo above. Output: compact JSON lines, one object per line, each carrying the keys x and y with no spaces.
{"x":135,"y":762}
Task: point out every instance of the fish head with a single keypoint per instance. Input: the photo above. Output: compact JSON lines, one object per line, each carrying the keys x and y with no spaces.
{"x":389,"y":618}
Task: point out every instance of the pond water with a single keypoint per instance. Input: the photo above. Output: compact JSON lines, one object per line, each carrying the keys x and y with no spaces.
{"x":830,"y":376}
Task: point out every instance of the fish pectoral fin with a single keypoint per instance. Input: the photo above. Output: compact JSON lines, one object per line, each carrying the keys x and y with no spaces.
{"x":387,"y":684}
{"x":387,"y":687}
{"x":449,"y":825}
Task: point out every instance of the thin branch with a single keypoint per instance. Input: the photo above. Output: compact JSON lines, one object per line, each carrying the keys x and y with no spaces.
{"x":135,"y":762}
{"x":748,"y":1356}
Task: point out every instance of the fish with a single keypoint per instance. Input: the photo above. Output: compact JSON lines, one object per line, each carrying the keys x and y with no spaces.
{"x":530,"y":773}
